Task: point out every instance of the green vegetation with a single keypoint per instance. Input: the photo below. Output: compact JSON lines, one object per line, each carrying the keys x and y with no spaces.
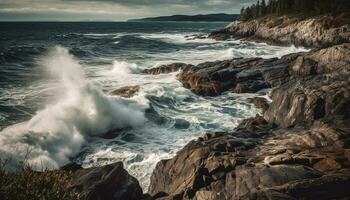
{"x":26,"y":184}
{"x":293,"y":7}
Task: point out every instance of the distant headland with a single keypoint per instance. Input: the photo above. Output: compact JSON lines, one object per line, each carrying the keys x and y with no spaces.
{"x":220,"y":17}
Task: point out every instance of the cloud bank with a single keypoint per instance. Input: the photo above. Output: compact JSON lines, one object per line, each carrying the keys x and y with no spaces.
{"x":111,"y":10}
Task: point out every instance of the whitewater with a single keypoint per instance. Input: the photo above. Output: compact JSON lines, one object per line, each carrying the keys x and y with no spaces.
{"x":56,"y":107}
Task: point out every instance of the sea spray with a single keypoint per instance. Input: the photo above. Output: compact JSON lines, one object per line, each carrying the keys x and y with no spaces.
{"x":122,"y":68}
{"x":170,"y":103}
{"x":82,"y":111}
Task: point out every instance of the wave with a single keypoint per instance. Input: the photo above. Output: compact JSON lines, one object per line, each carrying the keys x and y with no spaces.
{"x":123,"y":68}
{"x":58,"y":132}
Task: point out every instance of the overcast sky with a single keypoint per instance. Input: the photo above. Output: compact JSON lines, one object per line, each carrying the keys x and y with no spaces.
{"x":110,"y":10}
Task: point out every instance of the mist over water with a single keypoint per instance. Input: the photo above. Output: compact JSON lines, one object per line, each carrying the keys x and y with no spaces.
{"x":58,"y":132}
{"x":54,"y":100}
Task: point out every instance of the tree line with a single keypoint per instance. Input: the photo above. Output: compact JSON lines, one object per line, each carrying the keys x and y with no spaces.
{"x":286,"y":7}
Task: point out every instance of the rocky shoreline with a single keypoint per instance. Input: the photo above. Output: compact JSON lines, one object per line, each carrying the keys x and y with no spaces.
{"x":299,"y":148}
{"x":315,"y":32}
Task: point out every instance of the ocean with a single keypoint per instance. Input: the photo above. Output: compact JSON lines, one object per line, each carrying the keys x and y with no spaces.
{"x":54,"y":85}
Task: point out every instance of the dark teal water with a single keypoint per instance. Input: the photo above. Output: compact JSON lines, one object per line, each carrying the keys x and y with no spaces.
{"x":54,"y":85}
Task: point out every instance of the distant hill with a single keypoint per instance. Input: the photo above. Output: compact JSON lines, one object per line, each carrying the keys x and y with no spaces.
{"x":196,"y":18}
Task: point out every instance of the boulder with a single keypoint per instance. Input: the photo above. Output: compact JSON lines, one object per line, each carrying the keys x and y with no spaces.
{"x":127,"y":91}
{"x":168,"y":68}
{"x":251,"y":86}
{"x":110,"y":182}
{"x":327,"y":164}
{"x":252,"y":122}
{"x":260,"y":103}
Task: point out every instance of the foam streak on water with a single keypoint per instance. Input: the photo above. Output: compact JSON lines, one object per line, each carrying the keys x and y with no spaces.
{"x":64,"y":115}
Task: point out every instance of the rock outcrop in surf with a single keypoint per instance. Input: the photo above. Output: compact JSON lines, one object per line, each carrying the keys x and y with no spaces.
{"x":299,"y":148}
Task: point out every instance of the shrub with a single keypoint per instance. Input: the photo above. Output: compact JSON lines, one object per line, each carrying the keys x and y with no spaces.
{"x":26,"y":184}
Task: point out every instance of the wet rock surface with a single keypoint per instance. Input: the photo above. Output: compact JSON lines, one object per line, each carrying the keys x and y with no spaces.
{"x":127,"y":91}
{"x":298,"y":149}
{"x":168,"y":68}
{"x":241,"y":75}
{"x":260,"y":103}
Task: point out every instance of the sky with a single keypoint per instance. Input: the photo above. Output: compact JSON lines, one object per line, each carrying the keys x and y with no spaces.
{"x":111,"y":10}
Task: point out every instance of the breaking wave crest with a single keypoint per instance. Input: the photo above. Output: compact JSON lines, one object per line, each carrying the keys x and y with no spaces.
{"x":82,"y":111}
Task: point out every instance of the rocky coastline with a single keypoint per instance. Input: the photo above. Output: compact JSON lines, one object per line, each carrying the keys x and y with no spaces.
{"x":315,"y":32}
{"x":298,"y":148}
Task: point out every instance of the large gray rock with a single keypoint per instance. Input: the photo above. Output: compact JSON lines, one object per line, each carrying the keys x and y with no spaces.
{"x":110,"y":182}
{"x":320,"y":88}
{"x":127,"y":91}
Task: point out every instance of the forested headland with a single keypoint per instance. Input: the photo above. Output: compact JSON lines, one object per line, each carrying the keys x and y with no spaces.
{"x":294,"y":7}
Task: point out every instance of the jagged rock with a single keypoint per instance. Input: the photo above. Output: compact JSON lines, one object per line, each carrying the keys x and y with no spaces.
{"x":250,"y":86}
{"x":347,"y":154}
{"x":251,"y":74}
{"x":327,"y":164}
{"x":198,"y":165}
{"x":245,"y":74}
{"x":298,"y":150}
{"x":325,"y":187}
{"x":220,"y":35}
{"x":169,"y":68}
{"x":308,"y":98}
{"x":251,"y":122}
{"x":127,"y":92}
{"x":110,"y":182}
{"x":311,"y":32}
{"x":250,"y":180}
{"x":201,"y":84}
{"x":260,"y":103}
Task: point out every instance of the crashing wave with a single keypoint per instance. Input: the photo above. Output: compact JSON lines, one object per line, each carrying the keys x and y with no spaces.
{"x":58,"y":132}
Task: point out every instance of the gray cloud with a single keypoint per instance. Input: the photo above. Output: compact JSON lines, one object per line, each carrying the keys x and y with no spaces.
{"x":72,"y":10}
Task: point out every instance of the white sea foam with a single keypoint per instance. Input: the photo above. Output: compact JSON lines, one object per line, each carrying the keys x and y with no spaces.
{"x":123,"y":68}
{"x":63,"y":129}
{"x":181,"y":38}
{"x":58,"y":132}
{"x":211,"y":50}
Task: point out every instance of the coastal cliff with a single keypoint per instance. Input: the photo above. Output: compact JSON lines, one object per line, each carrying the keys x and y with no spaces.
{"x":298,"y":149}
{"x":320,"y":31}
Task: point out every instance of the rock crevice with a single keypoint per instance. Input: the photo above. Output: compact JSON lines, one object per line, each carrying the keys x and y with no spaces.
{"x":298,"y":149}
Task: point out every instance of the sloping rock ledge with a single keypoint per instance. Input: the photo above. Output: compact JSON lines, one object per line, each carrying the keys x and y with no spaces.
{"x":298,"y":149}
